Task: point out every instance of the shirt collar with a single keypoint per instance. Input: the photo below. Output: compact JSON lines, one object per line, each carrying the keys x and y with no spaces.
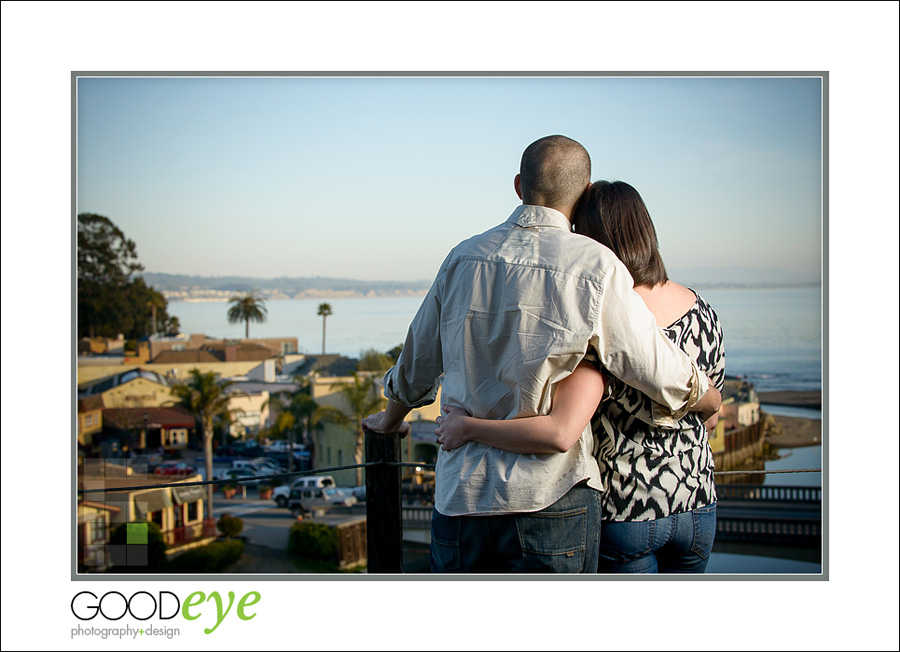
{"x":528,"y":215}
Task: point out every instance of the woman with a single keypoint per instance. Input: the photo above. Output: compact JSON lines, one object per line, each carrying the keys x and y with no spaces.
{"x":659,"y":500}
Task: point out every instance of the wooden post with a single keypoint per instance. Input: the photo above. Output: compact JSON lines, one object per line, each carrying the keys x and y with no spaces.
{"x":384,"y":528}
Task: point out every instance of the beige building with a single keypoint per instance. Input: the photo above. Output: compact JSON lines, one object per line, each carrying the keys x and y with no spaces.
{"x":133,"y":388}
{"x":94,"y":528}
{"x":90,"y":419}
{"x":334,"y":444}
{"x":276,"y":346}
{"x":178,"y":511}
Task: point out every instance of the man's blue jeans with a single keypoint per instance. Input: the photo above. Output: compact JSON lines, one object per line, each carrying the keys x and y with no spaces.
{"x":562,"y":538}
{"x":680,"y":543}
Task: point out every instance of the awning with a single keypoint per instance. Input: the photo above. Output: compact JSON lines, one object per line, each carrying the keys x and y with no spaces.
{"x":151,"y":501}
{"x":188,"y":494}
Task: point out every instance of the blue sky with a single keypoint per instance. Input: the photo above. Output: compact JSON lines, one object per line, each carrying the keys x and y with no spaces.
{"x":304,"y":176}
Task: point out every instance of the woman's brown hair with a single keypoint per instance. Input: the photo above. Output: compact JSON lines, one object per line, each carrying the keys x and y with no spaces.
{"x":614,"y":214}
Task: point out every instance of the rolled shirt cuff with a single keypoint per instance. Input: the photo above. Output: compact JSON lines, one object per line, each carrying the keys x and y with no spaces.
{"x":391,"y":379}
{"x":665,"y":418}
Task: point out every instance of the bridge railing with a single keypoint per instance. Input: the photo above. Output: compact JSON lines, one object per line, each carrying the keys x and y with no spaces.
{"x":771,"y":493}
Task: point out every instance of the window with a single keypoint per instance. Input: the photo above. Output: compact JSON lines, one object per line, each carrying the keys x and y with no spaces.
{"x":287,"y":347}
{"x":90,"y":420}
{"x":98,"y":530}
{"x":193,"y":511}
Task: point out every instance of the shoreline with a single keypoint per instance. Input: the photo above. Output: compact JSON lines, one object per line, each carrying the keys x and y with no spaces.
{"x":793,"y":432}
{"x":794,"y":398}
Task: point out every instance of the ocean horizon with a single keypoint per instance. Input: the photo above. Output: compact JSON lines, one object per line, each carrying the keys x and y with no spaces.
{"x":773,"y":336}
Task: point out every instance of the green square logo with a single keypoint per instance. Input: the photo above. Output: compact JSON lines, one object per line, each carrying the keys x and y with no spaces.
{"x":137,"y":533}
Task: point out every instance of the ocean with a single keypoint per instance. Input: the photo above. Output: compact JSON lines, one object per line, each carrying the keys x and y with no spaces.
{"x":773,"y":336}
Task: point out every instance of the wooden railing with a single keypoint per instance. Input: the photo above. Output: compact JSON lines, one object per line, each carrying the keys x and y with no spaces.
{"x":188,"y":533}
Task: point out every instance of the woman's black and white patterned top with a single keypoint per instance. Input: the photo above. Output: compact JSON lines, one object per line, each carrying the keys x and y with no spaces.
{"x":648,"y":472}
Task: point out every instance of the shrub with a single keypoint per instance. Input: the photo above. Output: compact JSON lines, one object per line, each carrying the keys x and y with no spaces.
{"x":212,"y":558}
{"x":230,"y":526}
{"x":309,"y":540}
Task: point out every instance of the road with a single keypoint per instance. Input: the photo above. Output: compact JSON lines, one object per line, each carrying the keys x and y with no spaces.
{"x":265,"y":523}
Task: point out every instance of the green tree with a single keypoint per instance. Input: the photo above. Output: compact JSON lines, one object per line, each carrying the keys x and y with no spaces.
{"x":230,"y":526}
{"x":324,"y":311}
{"x":111,"y":299}
{"x":207,"y":398}
{"x":301,"y":412}
{"x":372,"y":360}
{"x":395,"y":353}
{"x":247,"y":308}
{"x":155,"y":302}
{"x":362,"y":399}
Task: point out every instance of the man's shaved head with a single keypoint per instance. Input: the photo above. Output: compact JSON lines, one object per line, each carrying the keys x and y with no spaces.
{"x":554,"y":172}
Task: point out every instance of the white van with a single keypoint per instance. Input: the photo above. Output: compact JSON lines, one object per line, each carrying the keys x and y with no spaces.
{"x":315,"y":488}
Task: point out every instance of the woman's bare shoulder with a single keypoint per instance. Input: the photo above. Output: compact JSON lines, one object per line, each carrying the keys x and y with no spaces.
{"x":668,"y":301}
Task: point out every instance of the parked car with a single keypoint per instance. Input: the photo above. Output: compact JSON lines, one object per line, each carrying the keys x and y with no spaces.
{"x":281,"y":446}
{"x":174,"y":468}
{"x":239,"y":474}
{"x":259,"y":465}
{"x":318,"y":489}
{"x":281,"y":494}
{"x":306,"y":500}
{"x":357,"y":492}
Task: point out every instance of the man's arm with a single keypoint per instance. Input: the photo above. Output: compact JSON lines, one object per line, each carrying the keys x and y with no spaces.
{"x":634,"y":349}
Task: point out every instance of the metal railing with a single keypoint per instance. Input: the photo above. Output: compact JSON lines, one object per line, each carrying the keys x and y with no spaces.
{"x":386,"y":515}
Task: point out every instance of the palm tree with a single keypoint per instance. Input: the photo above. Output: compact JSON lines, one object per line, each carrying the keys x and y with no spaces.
{"x":324,"y":311}
{"x":207,"y":398}
{"x":362,"y":400}
{"x":156,"y":301}
{"x":250,"y":307}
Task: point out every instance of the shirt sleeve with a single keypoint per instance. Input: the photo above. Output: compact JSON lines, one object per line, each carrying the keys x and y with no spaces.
{"x":635,"y":350}
{"x":415,"y":379}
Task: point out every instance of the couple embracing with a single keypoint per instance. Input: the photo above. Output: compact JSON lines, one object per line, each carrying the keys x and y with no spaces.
{"x":578,"y":384}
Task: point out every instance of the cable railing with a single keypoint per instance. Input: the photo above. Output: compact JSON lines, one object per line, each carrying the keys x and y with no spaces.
{"x":365,"y":465}
{"x":384,"y":509}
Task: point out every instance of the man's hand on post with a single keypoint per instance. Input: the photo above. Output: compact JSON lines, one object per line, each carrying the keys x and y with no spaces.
{"x":382,"y":423}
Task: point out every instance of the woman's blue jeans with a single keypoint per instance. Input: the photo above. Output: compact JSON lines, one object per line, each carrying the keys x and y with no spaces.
{"x":680,"y":543}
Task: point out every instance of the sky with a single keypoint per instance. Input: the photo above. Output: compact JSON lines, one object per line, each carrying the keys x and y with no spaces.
{"x":377,"y":177}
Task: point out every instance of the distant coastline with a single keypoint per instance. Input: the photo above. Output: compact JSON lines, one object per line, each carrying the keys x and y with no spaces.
{"x":203,"y":296}
{"x":197,"y":289}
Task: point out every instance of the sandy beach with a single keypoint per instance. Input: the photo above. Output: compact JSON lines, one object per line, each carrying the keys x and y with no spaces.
{"x":792,"y":432}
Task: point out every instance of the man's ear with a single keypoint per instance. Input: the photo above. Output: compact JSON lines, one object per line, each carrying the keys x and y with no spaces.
{"x":518,"y":185}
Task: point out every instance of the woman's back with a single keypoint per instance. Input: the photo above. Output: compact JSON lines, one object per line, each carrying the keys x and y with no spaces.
{"x":648,"y":472}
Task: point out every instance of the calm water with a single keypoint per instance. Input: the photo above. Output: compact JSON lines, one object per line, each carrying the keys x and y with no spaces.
{"x":772,"y":336}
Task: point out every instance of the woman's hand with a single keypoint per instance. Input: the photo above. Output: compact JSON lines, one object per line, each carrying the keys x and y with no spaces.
{"x":452,"y":431}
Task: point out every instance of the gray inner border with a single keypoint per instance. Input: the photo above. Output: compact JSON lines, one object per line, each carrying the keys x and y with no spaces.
{"x":824,"y":576}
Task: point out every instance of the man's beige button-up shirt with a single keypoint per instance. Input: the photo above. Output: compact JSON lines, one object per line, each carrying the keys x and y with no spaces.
{"x":511,"y":313}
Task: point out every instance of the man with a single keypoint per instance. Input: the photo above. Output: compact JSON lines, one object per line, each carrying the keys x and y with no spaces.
{"x":511,"y":313}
